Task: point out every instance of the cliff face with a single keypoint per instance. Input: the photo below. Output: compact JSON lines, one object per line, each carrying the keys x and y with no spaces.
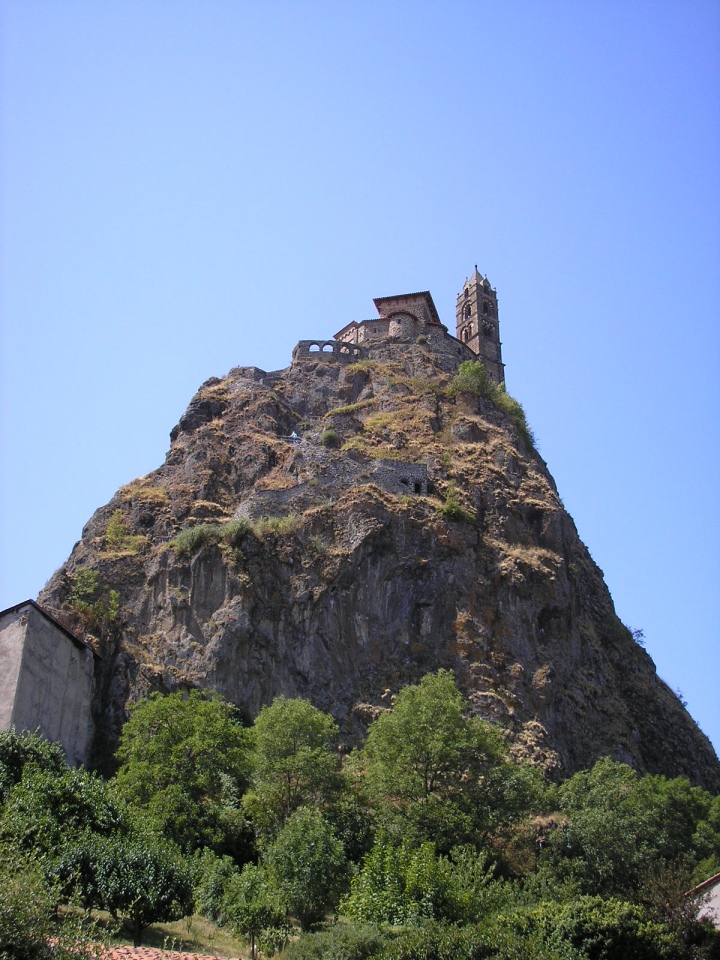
{"x":341,"y":579}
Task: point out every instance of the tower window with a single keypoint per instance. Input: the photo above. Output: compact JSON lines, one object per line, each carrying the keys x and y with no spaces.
{"x":467,"y":311}
{"x":485,"y":307}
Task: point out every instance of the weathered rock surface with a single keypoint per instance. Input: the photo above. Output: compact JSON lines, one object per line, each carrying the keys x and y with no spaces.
{"x":358,"y":584}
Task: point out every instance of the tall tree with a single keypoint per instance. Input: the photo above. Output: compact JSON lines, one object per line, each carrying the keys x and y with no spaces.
{"x":184,"y":763}
{"x":436,"y":772}
{"x":294,"y":762}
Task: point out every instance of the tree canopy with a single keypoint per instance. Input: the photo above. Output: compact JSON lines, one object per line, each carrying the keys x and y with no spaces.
{"x":184,"y":762}
{"x":431,"y":768}
{"x":294,"y":762}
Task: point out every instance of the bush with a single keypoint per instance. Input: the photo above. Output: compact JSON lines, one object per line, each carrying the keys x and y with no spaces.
{"x":329,"y":437}
{"x":451,"y":509}
{"x":213,"y":874}
{"x":27,"y":907}
{"x":276,"y":526}
{"x":514,"y":410}
{"x":97,"y":607}
{"x":307,"y":863}
{"x":189,"y":541}
{"x":19,"y":750}
{"x":436,"y":941}
{"x":472,"y":378}
{"x":235,"y":531}
{"x":144,"y":881}
{"x":400,"y":885}
{"x":342,"y":942}
{"x":117,"y":536}
{"x":601,"y":929}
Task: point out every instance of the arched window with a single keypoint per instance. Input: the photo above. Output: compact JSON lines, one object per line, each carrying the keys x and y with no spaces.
{"x":486,"y":308}
{"x":467,"y":313}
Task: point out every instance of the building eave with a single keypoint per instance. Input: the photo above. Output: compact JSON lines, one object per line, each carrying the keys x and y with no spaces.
{"x":82,"y":644}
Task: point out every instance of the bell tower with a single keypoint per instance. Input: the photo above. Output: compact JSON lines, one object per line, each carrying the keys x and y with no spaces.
{"x":477,"y":326}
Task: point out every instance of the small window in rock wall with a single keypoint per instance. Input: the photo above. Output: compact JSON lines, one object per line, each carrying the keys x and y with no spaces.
{"x":486,"y":308}
{"x":468,"y":311}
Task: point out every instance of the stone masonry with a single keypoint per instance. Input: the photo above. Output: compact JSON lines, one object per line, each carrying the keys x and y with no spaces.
{"x":413,"y":318}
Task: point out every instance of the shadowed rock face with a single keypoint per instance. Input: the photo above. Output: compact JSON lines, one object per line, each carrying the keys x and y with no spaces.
{"x":357,"y":584}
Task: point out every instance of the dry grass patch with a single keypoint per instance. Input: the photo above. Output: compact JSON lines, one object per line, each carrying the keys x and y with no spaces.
{"x":157,"y":496}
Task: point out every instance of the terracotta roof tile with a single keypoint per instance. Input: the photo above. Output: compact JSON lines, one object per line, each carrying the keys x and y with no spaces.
{"x":151,"y":953}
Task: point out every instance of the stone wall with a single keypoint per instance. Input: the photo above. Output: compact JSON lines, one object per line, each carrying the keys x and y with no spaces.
{"x":46,"y":679}
{"x":381,"y":339}
{"x":337,"y":350}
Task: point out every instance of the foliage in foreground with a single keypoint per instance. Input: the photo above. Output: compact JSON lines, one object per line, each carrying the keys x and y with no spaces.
{"x":426,"y":838}
{"x":27,"y":910}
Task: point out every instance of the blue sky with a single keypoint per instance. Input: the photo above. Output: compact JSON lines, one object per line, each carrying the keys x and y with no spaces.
{"x":188,"y":186}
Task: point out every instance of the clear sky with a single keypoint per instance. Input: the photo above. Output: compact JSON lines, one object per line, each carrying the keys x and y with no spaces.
{"x":191,"y":185}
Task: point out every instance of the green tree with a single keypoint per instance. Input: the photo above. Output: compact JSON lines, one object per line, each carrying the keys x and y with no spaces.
{"x":184,"y":763}
{"x":400,"y":885}
{"x":144,"y":881}
{"x":472,"y":378}
{"x":45,"y":811}
{"x":294,"y":763}
{"x":251,"y":904}
{"x":599,"y":929}
{"x":308,"y":866}
{"x":621,"y":828}
{"x":20,"y":750}
{"x":28,"y":930}
{"x":409,"y":884}
{"x":430,"y":769}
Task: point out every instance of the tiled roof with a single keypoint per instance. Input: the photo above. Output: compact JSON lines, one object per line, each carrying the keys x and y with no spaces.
{"x":151,"y":953}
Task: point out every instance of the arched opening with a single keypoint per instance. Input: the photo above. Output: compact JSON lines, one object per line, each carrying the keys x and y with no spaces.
{"x":468,"y":311}
{"x":486,"y":308}
{"x":314,"y":348}
{"x":327,"y":348}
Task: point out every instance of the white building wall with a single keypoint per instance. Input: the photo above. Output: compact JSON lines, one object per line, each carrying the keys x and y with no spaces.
{"x":48,"y":685}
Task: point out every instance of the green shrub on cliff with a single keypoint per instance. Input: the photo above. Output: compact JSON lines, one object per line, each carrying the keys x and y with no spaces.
{"x":189,"y":541}
{"x":472,"y":378}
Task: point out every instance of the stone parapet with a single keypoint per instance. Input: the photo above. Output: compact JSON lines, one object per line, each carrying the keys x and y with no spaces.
{"x":336,"y":350}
